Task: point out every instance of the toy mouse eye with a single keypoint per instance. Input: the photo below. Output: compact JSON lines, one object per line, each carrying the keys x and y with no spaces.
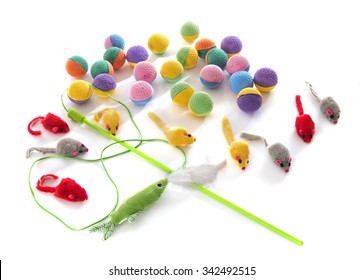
{"x":61,"y":130}
{"x":311,"y":136}
{"x":289,"y":164}
{"x":331,"y":116}
{"x":189,"y":135}
{"x":247,"y":161}
{"x":281,"y":165}
{"x":82,"y":145}
{"x":303,"y":136}
{"x":240,"y":161}
{"x":159,"y":185}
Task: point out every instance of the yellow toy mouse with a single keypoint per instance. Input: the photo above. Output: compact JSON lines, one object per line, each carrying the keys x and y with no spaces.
{"x":239,"y":149}
{"x":111,"y":119}
{"x":176,"y":136}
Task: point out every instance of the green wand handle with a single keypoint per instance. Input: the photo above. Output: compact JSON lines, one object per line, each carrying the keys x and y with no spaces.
{"x":80,"y":118}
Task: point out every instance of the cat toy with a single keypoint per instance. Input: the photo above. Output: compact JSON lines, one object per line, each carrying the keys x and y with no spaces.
{"x":176,"y":136}
{"x":278,"y":152}
{"x":110,"y":118}
{"x":305,"y":127}
{"x":328,"y":106}
{"x":239,"y":149}
{"x":67,"y":189}
{"x":51,"y":123}
{"x":193,"y":175}
{"x":65,"y":147}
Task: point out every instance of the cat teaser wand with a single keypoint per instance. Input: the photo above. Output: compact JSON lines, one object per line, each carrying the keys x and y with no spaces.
{"x":80,"y":118}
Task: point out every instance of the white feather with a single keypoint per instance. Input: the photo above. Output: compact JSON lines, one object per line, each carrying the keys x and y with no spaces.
{"x":201,"y":174}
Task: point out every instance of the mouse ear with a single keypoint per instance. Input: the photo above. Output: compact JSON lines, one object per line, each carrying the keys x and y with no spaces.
{"x":329,"y":112}
{"x":74,"y":153}
{"x":300,"y":131}
{"x":290,"y":159}
{"x":71,"y":197}
{"x":278,"y":162}
{"x":55,"y":129}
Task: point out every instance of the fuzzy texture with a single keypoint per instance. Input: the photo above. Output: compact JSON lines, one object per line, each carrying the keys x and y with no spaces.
{"x":211,"y":76}
{"x":145,"y":71}
{"x":116,"y":56}
{"x":141,"y":92}
{"x":201,"y":104}
{"x":188,"y":57}
{"x":114,"y":40}
{"x":132,"y":207}
{"x":328,"y":106}
{"x":249,"y":100}
{"x":176,"y":136}
{"x":202,"y":174}
{"x":79,"y":91}
{"x":305,"y":127}
{"x":238,"y":149}
{"x":278,"y":152}
{"x":240,"y":80}
{"x":101,"y":67}
{"x":231,"y":45}
{"x":237,"y":63}
{"x":158,"y":43}
{"x":217,"y":57}
{"x":67,"y":189}
{"x":190,"y":31}
{"x":51,"y":123}
{"x":265,"y":79}
{"x":102,"y":84}
{"x":76,"y":66}
{"x":110,"y":118}
{"x":171,"y":70}
{"x":203,"y":45}
{"x":65,"y":147}
{"x":181,"y":93}
{"x":136,"y":54}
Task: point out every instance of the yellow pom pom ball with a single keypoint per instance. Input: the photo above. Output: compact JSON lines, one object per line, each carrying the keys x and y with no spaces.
{"x":188,"y":57}
{"x":181,"y":94}
{"x":79,"y":91}
{"x":171,"y":70}
{"x":158,"y":43}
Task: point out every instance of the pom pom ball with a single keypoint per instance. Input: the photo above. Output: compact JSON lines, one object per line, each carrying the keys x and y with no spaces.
{"x":201,"y":104}
{"x":114,"y":40}
{"x":265,"y":79}
{"x":188,"y":57}
{"x":116,"y":56}
{"x":141,"y":92}
{"x":237,"y":63}
{"x":217,"y":57}
{"x":231,"y":45}
{"x":158,"y":43}
{"x":211,"y":76}
{"x":171,"y":70}
{"x":249,"y":100}
{"x":76,"y":66}
{"x":79,"y":91}
{"x":145,"y":71}
{"x":181,"y":93}
{"x":136,"y":54}
{"x":240,"y":80}
{"x":203,"y":46}
{"x":190,"y":31}
{"x":102,"y":84}
{"x":101,"y":67}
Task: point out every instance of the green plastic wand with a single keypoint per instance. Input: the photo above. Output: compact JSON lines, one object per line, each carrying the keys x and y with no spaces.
{"x":80,"y":118}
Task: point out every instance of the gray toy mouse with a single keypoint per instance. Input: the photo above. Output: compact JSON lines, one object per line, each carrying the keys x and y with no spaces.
{"x":328,"y":106}
{"x":65,"y":147}
{"x":278,"y":152}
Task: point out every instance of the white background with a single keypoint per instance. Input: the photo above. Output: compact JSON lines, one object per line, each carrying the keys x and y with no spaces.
{"x":320,"y":201}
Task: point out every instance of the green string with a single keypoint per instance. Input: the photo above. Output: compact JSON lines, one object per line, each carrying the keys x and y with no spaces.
{"x":101,"y":159}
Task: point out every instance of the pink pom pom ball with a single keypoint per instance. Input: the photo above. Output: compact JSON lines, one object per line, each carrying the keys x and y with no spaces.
{"x":211,"y":76}
{"x":145,"y":71}
{"x":237,"y":63}
{"x":141,"y":92}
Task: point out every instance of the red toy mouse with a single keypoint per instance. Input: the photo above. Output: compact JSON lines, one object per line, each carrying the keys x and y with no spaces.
{"x":50,"y":122}
{"x":305,"y":126}
{"x":67,"y":189}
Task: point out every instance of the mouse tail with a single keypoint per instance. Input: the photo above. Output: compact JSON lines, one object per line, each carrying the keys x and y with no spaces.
{"x":314,"y":93}
{"x":41,"y":150}
{"x":158,"y":122}
{"x":253,"y":137}
{"x":30,"y":130}
{"x":228,"y":133}
{"x":46,"y":188}
{"x":299,"y":105}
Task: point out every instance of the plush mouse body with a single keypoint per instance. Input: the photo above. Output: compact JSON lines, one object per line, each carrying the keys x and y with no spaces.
{"x":67,"y":189}
{"x":328,"y":106}
{"x":110,"y":118}
{"x":65,"y":147}
{"x":239,"y":149}
{"x":176,"y":136}
{"x":51,"y":123}
{"x":278,"y":152}
{"x":305,"y":127}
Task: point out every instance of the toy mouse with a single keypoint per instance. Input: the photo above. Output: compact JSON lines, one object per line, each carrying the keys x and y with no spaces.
{"x":328,"y":106}
{"x":278,"y":152}
{"x":110,"y":118}
{"x":67,"y":189}
{"x":176,"y":136}
{"x":51,"y":123}
{"x":239,"y":149}
{"x":305,"y":126}
{"x":65,"y":147}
